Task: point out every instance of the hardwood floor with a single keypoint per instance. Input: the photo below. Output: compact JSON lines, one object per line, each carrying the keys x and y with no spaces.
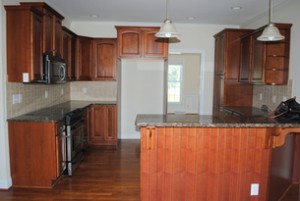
{"x":104,"y":175}
{"x":110,"y":175}
{"x":293,"y":194}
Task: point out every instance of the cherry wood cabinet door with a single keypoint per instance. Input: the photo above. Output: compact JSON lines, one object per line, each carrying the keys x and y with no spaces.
{"x":103,"y":125}
{"x":105,"y":59}
{"x":204,"y":164}
{"x":69,"y":52}
{"x":154,"y":47}
{"x":246,"y":56}
{"x":84,"y":54}
{"x":258,"y":60}
{"x":129,"y":42}
{"x":24,"y":43}
{"x":34,"y":155}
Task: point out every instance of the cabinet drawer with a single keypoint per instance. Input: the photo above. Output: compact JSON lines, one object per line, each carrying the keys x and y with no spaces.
{"x":275,"y":63}
{"x":276,"y":77}
{"x":276,"y":49}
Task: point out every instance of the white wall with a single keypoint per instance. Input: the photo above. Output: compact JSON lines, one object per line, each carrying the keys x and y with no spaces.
{"x":5,"y":180}
{"x":287,"y":13}
{"x":142,"y":92}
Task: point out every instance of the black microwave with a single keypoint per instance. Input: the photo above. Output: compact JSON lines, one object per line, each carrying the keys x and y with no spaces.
{"x":54,"y":69}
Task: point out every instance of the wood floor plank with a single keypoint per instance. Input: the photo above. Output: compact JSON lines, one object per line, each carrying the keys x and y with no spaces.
{"x":104,"y":175}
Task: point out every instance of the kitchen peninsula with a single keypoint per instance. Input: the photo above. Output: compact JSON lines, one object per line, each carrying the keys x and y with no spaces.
{"x":208,"y":158}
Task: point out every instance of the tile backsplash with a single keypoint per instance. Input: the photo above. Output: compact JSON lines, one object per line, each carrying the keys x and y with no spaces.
{"x":271,"y":95}
{"x":30,"y":97}
{"x":94,"y":91}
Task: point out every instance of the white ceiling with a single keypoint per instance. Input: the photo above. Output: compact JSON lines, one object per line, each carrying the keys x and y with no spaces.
{"x":154,"y":11}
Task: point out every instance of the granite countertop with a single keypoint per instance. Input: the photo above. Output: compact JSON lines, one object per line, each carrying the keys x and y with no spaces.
{"x":224,"y":120}
{"x":57,"y":112}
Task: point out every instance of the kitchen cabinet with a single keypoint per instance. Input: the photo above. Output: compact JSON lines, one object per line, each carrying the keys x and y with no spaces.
{"x":105,"y":59}
{"x":38,"y":157}
{"x":24,"y":28}
{"x":227,"y":89}
{"x":52,"y":28}
{"x":265,"y":62}
{"x":103,"y":126}
{"x":140,"y":42}
{"x":203,"y":163}
{"x":84,"y":54}
{"x":69,"y":52}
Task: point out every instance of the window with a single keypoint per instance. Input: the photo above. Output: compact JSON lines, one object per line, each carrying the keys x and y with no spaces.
{"x":174,"y":83}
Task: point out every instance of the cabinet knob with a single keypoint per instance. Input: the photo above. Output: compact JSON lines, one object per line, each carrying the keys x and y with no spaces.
{"x":273,"y":69}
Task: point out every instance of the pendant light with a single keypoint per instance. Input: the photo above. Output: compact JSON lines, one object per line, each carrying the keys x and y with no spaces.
{"x":271,"y":32}
{"x":167,"y":29}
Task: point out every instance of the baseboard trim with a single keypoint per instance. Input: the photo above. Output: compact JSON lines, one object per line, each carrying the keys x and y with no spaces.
{"x":5,"y":184}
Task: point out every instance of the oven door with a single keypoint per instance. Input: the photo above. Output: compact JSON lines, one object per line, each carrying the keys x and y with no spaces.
{"x":75,"y":145}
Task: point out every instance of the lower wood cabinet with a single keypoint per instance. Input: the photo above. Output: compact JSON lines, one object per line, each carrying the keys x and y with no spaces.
{"x":103,"y":125}
{"x":36,"y":153}
{"x":204,"y":164}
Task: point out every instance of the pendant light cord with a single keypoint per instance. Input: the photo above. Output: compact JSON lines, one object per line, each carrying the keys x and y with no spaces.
{"x":270,"y":11}
{"x":167,"y":9}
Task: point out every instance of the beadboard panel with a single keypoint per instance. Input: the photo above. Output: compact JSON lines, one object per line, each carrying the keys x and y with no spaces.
{"x":207,"y":164}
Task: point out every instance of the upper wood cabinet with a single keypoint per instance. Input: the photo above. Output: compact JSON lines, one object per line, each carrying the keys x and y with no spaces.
{"x":84,"y":62}
{"x":69,"y":52}
{"x":265,"y":62}
{"x":105,"y":59}
{"x":227,"y":89}
{"x":24,"y":28}
{"x":52,"y":28}
{"x":140,"y":42}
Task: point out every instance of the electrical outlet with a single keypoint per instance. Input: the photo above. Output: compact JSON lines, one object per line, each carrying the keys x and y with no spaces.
{"x":62,"y":91}
{"x":260,"y":96}
{"x":46,"y":94}
{"x":254,"y":189}
{"x":274,"y":99}
{"x":17,"y":98}
{"x":84,"y":90}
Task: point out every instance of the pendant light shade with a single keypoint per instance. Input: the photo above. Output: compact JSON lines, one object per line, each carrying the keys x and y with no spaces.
{"x":167,"y":29}
{"x":271,"y":32}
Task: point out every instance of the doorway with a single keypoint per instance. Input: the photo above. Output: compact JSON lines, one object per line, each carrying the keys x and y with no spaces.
{"x":184,"y":83}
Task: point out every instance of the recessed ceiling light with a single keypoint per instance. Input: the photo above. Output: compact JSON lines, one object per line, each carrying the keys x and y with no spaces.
{"x":191,"y":18}
{"x":94,"y":16}
{"x":236,"y":7}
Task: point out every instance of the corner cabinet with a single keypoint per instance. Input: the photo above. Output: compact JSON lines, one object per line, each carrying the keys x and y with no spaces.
{"x":140,"y":42}
{"x":227,"y":89}
{"x":24,"y":28}
{"x":38,"y":157}
{"x":265,"y":62}
{"x":103,"y":126}
{"x":105,"y":59}
{"x":69,"y":52}
{"x":84,"y":62}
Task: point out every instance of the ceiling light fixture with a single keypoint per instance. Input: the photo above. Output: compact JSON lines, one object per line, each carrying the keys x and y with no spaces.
{"x":167,"y":29}
{"x":271,"y":32}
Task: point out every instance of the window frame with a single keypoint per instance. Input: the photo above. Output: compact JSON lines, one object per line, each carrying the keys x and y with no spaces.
{"x":179,"y":62}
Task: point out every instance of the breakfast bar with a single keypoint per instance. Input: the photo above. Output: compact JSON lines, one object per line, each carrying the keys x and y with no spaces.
{"x":209,"y":158}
